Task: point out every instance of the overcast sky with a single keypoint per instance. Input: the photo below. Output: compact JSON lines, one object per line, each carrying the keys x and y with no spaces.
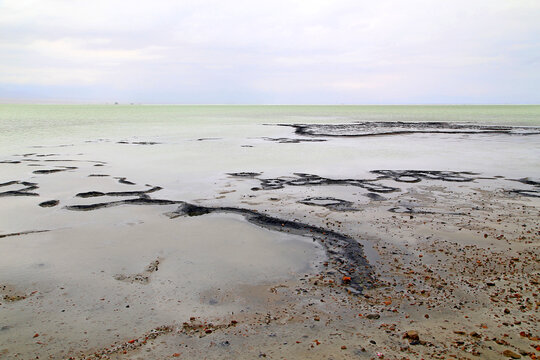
{"x":271,"y":52}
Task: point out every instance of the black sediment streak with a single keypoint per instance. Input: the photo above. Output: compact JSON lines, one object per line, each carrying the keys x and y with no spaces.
{"x":528,"y":193}
{"x":52,"y":171}
{"x":138,"y":201}
{"x":245,"y":174}
{"x":138,"y":142}
{"x":118,"y":193}
{"x":528,"y":181}
{"x":22,"y":233}
{"x":209,"y":138}
{"x":9,"y":183}
{"x":345,"y":253}
{"x":25,"y":191}
{"x":292,"y":140}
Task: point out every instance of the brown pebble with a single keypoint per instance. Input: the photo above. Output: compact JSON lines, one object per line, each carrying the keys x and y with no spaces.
{"x":511,"y":354}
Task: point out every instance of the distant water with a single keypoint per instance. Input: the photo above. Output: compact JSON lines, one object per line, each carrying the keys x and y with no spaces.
{"x":233,"y":140}
{"x":30,"y":123}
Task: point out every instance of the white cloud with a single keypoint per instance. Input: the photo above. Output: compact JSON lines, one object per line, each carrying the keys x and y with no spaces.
{"x":285,"y":50}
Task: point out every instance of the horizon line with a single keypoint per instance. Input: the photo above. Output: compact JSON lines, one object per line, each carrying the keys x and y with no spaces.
{"x":261,"y":104}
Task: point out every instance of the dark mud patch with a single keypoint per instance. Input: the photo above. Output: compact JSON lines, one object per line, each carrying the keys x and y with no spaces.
{"x":329,"y":203}
{"x":89,"y":194}
{"x":302,"y":179}
{"x":528,"y":181}
{"x":49,"y":171}
{"x":375,"y":197}
{"x":208,"y":139}
{"x":22,"y":233}
{"x":245,"y":174}
{"x":52,"y":171}
{"x":24,"y":191}
{"x":13,"y":182}
{"x":414,"y":176}
{"x":142,"y":277}
{"x":528,"y":193}
{"x":122,"y":180}
{"x":138,"y":201}
{"x":371,"y":185}
{"x":291,"y":140}
{"x":534,"y":192}
{"x":98,"y":175}
{"x":10,"y":162}
{"x":138,"y":142}
{"x":50,"y":203}
{"x":374,"y":128}
{"x":345,"y":253}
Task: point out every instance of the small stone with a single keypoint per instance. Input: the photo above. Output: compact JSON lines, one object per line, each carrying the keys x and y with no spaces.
{"x":511,"y":354}
{"x":411,"y":335}
{"x":343,"y":347}
{"x":373,"y":316}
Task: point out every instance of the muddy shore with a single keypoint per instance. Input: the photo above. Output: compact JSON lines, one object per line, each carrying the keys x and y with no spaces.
{"x":399,"y":264}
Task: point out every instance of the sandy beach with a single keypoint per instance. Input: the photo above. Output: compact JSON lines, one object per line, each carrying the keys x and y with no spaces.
{"x":269,"y":232}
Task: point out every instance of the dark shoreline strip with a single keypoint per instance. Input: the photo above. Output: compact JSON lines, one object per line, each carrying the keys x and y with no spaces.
{"x":382,"y":128}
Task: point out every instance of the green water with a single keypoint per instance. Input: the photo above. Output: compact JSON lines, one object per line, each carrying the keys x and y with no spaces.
{"x":26,"y":115}
{"x":28,"y":124}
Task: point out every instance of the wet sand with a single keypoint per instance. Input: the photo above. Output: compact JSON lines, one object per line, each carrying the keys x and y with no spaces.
{"x":107,"y":262}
